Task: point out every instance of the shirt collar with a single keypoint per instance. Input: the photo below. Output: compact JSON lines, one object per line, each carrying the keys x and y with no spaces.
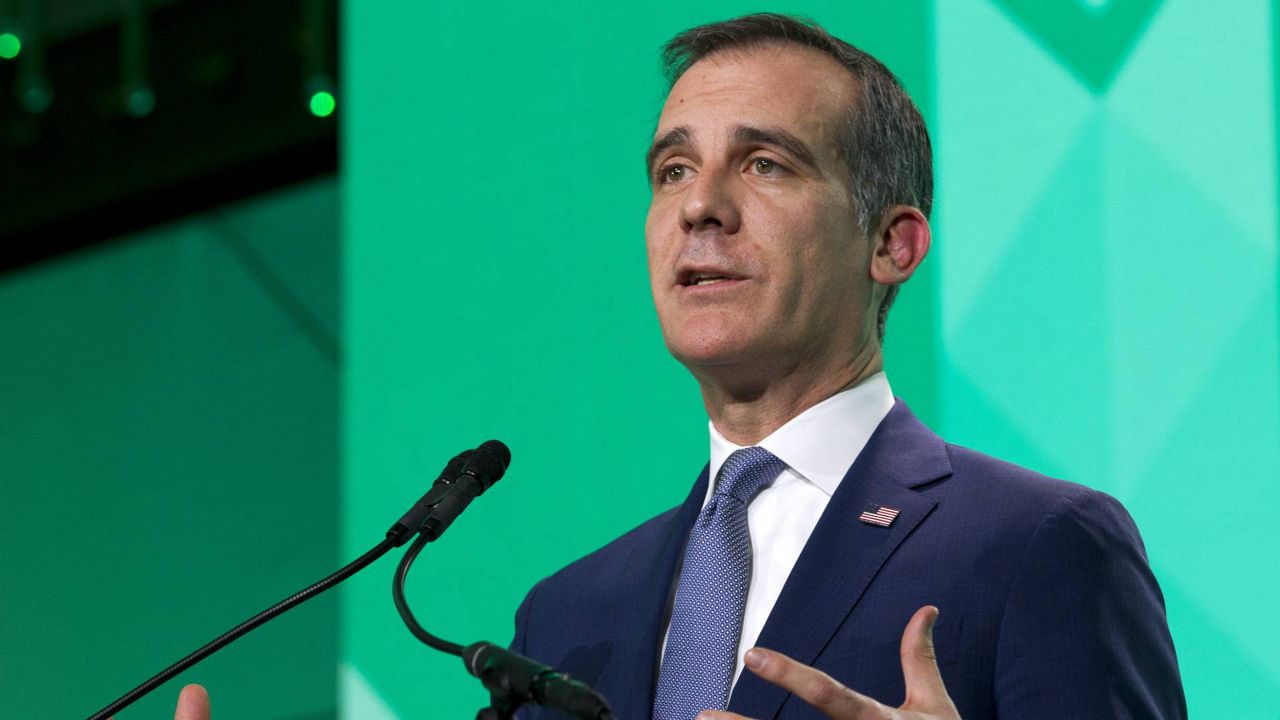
{"x":821,"y":443}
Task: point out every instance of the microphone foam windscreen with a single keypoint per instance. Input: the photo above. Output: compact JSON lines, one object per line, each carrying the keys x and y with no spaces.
{"x":489,"y":462}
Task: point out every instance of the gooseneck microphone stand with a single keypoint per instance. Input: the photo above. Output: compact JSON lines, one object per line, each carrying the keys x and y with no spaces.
{"x":464,"y":478}
{"x":512,"y":680}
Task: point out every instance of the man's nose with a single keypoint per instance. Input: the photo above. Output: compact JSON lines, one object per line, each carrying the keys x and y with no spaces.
{"x":709,"y":202}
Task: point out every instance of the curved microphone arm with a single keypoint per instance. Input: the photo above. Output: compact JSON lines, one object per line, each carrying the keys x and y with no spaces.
{"x":511,"y":679}
{"x":402,"y":605}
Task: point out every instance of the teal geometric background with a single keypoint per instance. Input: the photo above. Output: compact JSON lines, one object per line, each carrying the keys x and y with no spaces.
{"x":1107,"y":283}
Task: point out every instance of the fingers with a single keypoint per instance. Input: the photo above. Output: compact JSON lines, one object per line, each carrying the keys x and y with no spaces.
{"x":719,"y":715}
{"x":193,"y":704}
{"x":813,"y":686}
{"x":925,"y":690}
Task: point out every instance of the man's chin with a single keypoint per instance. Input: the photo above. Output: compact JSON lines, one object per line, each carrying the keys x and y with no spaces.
{"x":707,"y":354}
{"x":725,"y":364}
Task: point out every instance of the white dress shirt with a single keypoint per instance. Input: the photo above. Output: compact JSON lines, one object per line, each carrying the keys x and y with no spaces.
{"x":818,"y":446}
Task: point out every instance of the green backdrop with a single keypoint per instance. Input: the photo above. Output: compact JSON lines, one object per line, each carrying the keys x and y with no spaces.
{"x":496,"y":286}
{"x":1101,"y":303}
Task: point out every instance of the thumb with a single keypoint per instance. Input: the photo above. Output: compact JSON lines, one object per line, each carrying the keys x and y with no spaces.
{"x":925,"y":690}
{"x":193,"y":704}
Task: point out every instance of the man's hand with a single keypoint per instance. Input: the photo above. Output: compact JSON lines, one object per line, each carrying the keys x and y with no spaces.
{"x":927,"y":698}
{"x":193,"y":704}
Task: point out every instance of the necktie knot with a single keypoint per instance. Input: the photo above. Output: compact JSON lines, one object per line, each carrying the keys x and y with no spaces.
{"x":746,"y":472}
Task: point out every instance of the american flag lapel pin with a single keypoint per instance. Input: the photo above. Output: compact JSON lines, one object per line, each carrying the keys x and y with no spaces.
{"x":878,"y":515}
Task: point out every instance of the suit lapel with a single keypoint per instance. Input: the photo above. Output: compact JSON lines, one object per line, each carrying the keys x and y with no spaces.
{"x":843,"y":554}
{"x":640,"y":641}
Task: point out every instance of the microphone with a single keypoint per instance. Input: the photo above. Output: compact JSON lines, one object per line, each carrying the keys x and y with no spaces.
{"x":481,"y":468}
{"x":480,"y":471}
{"x":520,"y":679}
{"x":409,"y":523}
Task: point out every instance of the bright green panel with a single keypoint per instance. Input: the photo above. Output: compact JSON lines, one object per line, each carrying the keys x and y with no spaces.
{"x":1198,"y":88}
{"x":1008,"y":160}
{"x":1207,"y":655}
{"x":1028,"y":343}
{"x":1166,"y":337}
{"x":168,"y":447}
{"x":1193,"y":407}
{"x":1124,"y":335}
{"x":496,"y":286}
{"x":1223,"y":446}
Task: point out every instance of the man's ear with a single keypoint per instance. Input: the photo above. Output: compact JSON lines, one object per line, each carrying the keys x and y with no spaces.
{"x":900,"y":244}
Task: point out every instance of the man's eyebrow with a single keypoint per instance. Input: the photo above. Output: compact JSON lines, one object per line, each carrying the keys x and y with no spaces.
{"x":778,"y":138}
{"x":671,"y":138}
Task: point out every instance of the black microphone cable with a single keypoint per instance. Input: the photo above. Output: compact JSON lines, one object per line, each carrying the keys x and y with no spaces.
{"x":402,"y":606}
{"x":226,"y":638}
{"x":512,"y":679}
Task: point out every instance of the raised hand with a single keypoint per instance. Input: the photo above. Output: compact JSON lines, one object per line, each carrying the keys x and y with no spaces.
{"x":926,"y":699}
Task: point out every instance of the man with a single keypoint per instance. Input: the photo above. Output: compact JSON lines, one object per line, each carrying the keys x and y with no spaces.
{"x":792,"y":181}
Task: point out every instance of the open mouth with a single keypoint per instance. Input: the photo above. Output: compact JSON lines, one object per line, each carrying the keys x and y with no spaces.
{"x":702,"y":278}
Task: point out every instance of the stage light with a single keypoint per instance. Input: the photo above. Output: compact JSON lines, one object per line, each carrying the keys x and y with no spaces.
{"x":317,"y":67}
{"x":139,"y":100}
{"x":322,"y":103}
{"x":10,"y":46}
{"x":34,"y":94}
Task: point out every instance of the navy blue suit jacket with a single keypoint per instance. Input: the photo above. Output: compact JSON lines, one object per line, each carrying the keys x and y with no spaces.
{"x":1048,"y":607}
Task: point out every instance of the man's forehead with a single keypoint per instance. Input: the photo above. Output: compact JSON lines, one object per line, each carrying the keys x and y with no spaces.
{"x":773,"y":85}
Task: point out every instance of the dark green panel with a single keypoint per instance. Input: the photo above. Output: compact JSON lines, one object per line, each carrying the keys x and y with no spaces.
{"x":168,"y":447}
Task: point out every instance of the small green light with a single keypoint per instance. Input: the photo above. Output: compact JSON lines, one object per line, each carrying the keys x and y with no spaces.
{"x":10,"y":46}
{"x":323,"y":104}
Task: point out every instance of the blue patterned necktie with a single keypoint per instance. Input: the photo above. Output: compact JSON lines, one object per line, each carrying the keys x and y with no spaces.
{"x":706,"y":620}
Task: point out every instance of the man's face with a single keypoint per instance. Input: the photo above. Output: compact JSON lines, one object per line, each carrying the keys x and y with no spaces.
{"x":756,"y":260}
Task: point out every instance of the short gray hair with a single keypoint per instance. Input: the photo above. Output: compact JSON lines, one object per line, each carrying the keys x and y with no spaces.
{"x":885,"y":142}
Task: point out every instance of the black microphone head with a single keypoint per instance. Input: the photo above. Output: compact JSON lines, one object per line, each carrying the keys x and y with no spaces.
{"x":499,"y":450}
{"x":488,"y":463}
{"x":454,"y":468}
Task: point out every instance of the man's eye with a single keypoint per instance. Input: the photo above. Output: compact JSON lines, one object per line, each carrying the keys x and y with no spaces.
{"x":671,"y":173}
{"x":765,"y":166}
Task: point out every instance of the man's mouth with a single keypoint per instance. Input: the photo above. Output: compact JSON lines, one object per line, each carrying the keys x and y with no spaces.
{"x":699,"y":278}
{"x":708,"y":279}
